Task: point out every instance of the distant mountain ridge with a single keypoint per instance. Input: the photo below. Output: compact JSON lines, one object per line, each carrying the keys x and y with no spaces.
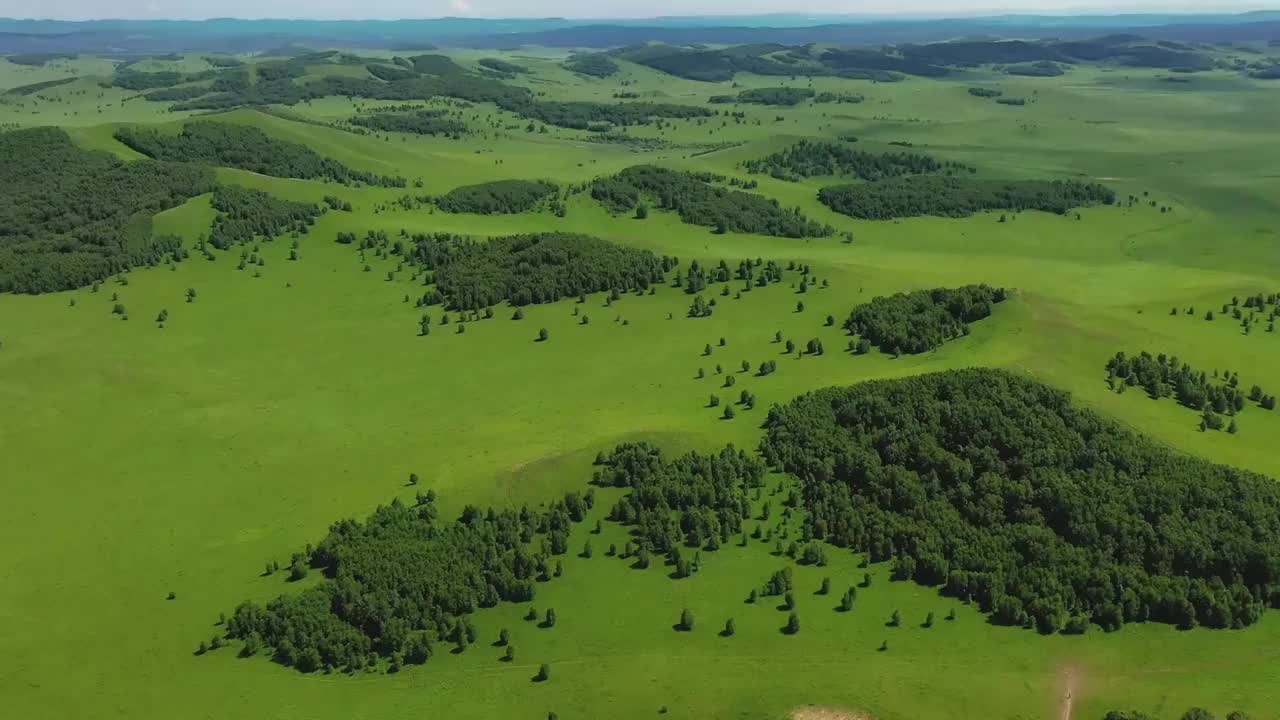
{"x":234,"y":35}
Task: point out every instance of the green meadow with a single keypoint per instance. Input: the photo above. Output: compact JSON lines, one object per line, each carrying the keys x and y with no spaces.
{"x":140,"y":460}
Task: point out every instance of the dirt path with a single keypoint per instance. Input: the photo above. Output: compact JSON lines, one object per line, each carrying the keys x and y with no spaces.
{"x":816,"y":712}
{"x":1068,"y":683}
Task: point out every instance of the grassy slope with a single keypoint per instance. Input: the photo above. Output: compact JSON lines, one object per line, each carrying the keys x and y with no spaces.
{"x":140,"y":460}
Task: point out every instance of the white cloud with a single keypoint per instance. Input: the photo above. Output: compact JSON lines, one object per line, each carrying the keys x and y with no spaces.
{"x":461,"y":7}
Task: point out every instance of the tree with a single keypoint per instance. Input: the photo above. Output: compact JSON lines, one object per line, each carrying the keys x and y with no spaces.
{"x":714,"y":401}
{"x":928,"y":620}
{"x":896,"y":619}
{"x":642,"y":211}
{"x":686,"y":621}
{"x":788,"y":601}
{"x":825,"y":589}
{"x":504,"y":637}
{"x":847,"y":600}
{"x":746,"y":366}
{"x":544,"y":673}
{"x":729,"y":628}
{"x":586,"y":549}
{"x":510,"y":654}
{"x":791,"y":347}
{"x":297,"y":570}
{"x":800,"y":306}
{"x":728,"y":414}
{"x":793,"y":624}
{"x":707,"y":350}
{"x":550,"y":620}
{"x":1197,"y":713}
{"x":543,"y":335}
{"x":518,"y":314}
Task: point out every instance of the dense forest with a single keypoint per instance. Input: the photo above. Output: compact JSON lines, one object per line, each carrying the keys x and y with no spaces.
{"x":696,"y":500}
{"x":526,"y":269}
{"x":69,"y":217}
{"x":767,"y":96}
{"x":404,"y":580}
{"x":996,"y":488}
{"x":921,"y":320}
{"x":245,"y":214}
{"x":814,"y":158}
{"x":916,"y":195}
{"x":1214,"y":395}
{"x":502,"y":66}
{"x":417,"y":122}
{"x":247,"y":148}
{"x":699,"y":202}
{"x":593,"y":64}
{"x":497,"y":197}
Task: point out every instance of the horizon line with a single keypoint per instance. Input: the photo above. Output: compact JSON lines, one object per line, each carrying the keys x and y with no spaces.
{"x":1065,"y":13}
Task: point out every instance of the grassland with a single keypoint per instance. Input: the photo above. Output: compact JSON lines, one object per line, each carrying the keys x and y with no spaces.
{"x":138,"y":461}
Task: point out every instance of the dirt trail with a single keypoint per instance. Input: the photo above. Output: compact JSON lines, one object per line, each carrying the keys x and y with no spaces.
{"x":1068,"y":683}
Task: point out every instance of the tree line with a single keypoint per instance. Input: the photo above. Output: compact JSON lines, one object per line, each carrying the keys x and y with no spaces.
{"x":699,"y":202}
{"x":526,"y":269}
{"x":921,"y":320}
{"x":810,"y":158}
{"x":998,"y":489}
{"x":246,"y":148}
{"x":70,"y":217}
{"x":497,"y":197}
{"x":417,"y":122}
{"x":694,"y":501}
{"x":916,"y":195}
{"x":785,"y":96}
{"x":244,"y":214}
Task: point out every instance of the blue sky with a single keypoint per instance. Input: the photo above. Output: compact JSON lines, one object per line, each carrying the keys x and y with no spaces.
{"x":387,"y":9}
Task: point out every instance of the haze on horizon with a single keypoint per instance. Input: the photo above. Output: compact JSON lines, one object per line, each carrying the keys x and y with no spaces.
{"x":614,"y":9}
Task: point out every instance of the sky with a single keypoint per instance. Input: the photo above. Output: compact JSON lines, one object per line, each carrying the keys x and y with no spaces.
{"x":392,"y":9}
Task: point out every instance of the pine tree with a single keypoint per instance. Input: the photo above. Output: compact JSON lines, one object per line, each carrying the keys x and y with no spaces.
{"x":729,"y":628}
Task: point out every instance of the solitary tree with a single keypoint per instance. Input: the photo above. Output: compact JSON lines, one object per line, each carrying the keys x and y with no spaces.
{"x":729,"y":628}
{"x":544,"y":673}
{"x":896,"y":619}
{"x":542,"y":335}
{"x":686,"y":620}
{"x":793,"y":624}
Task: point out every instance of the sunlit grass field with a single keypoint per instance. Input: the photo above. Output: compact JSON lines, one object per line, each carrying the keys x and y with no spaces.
{"x":138,"y":460}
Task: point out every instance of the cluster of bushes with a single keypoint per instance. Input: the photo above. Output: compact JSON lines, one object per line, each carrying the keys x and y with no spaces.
{"x":699,"y":202}
{"x":593,"y":64}
{"x":921,"y":320}
{"x":767,"y":96}
{"x":985,"y":92}
{"x":997,"y":489}
{"x":696,"y":500}
{"x":245,"y":214}
{"x":1164,"y":376}
{"x":1195,"y":713}
{"x":497,"y":197}
{"x":916,"y":195}
{"x":810,"y":158}
{"x":246,"y":148}
{"x":404,"y":580}
{"x":418,"y":122}
{"x":526,"y":269}
{"x":70,"y":217}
